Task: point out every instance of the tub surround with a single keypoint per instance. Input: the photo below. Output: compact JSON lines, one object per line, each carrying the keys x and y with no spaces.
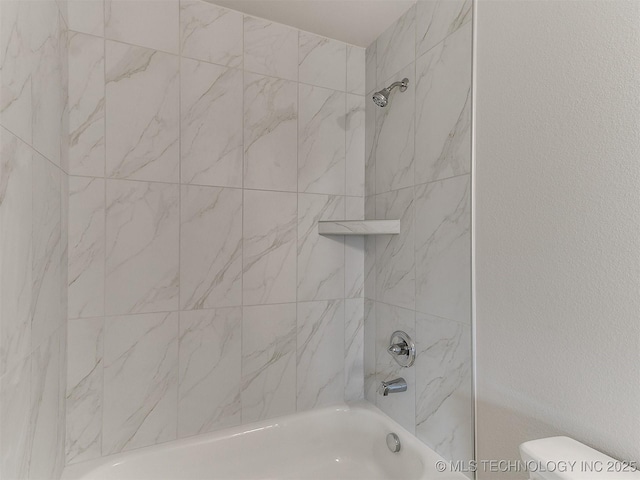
{"x":418,"y":163}
{"x":205,"y":147}
{"x":33,"y":243}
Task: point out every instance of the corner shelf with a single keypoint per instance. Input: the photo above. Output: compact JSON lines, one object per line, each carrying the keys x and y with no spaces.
{"x":359,"y":227}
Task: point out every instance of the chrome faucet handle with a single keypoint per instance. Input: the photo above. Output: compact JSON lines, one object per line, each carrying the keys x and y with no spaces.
{"x":402,"y":349}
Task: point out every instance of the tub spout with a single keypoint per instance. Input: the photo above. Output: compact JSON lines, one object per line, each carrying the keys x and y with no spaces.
{"x":392,"y":386}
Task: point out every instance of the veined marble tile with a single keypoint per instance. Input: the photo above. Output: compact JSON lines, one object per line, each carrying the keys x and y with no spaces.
{"x":396,"y":47}
{"x":320,"y":258}
{"x":355,"y":148}
{"x":320,"y":353}
{"x":152,"y":24}
{"x":356,"y":70}
{"x":270,"y":133}
{"x":141,"y":247}
{"x":268,"y":361}
{"x":15,"y":414}
{"x":394,"y":141}
{"x":48,"y":78}
{"x":322,"y":61}
{"x":395,"y":265}
{"x":321,"y":141}
{"x":46,"y":237}
{"x":86,"y":105}
{"x":354,"y":350}
{"x":444,"y":399}
{"x":44,"y":425}
{"x":369,"y":351}
{"x":370,"y":251}
{"x":371,"y":67}
{"x":270,"y":48}
{"x":210,"y":33}
{"x":142,"y":113}
{"x":15,"y":250}
{"x":84,"y":389}
{"x":354,"y":251}
{"x":436,"y":20}
{"x":400,"y":407}
{"x":210,"y":370}
{"x":443,"y":249}
{"x":86,"y":247}
{"x":443,"y":116}
{"x":210,"y":247}
{"x":211,"y":119}
{"x":86,"y":16}
{"x":269,"y":247}
{"x":370,"y":140}
{"x":140,"y":381}
{"x":16,"y":59}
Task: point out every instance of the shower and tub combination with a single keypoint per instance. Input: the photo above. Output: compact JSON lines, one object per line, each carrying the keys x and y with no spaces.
{"x":232,"y":248}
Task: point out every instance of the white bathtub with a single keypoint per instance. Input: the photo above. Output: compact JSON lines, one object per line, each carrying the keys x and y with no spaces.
{"x":343,"y":442}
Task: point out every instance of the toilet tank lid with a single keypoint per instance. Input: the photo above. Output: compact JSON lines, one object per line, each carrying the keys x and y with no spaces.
{"x":590,"y":464}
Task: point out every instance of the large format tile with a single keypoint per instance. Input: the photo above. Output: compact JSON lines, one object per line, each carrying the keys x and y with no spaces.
{"x":355,"y":147}
{"x":395,"y":48}
{"x":142,"y":113}
{"x":211,"y":124}
{"x":86,"y":16}
{"x":140,"y":381}
{"x":270,"y":133}
{"x":395,"y":264}
{"x":86,"y":105}
{"x":354,"y":350}
{"x":443,"y":249}
{"x":86,"y":247}
{"x":322,"y":61}
{"x":152,"y":24}
{"x":437,"y":19}
{"x":141,"y":247}
{"x":394,"y":138}
{"x":45,"y":426}
{"x":402,"y":406}
{"x":84,"y":389}
{"x":210,"y":33}
{"x":210,"y":247}
{"x":48,"y":80}
{"x":354,"y":251}
{"x":15,"y":250}
{"x":15,"y":414}
{"x":371,"y":67}
{"x":443,"y":109}
{"x":369,"y":351}
{"x":356,"y":70}
{"x":16,"y":58}
{"x":269,"y":247}
{"x":47,"y":272}
{"x":268,"y":361}
{"x":270,"y":48}
{"x":444,"y":403}
{"x":320,"y":353}
{"x":321,"y":141}
{"x":210,"y":370}
{"x":320,"y":258}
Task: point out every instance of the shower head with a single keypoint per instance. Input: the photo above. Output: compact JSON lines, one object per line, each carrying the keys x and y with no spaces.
{"x":381,"y":98}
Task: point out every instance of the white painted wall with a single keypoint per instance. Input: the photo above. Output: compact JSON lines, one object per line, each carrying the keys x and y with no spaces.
{"x":558,"y":225}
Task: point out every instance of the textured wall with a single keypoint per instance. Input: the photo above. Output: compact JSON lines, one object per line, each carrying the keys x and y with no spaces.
{"x":33,"y":226}
{"x":558,"y":263}
{"x":418,"y":164}
{"x":205,"y":145}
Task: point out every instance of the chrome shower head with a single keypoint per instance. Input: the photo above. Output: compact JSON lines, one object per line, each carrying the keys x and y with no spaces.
{"x":381,"y":98}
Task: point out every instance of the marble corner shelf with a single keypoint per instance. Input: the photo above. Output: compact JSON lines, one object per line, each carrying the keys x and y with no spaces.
{"x":359,"y":227}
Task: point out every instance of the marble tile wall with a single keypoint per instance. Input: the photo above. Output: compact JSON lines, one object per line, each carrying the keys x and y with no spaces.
{"x":33,"y":244}
{"x":204,"y":147}
{"x":418,"y":163}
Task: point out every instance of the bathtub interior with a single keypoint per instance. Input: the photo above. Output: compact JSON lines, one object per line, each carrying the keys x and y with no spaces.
{"x":342,"y":442}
